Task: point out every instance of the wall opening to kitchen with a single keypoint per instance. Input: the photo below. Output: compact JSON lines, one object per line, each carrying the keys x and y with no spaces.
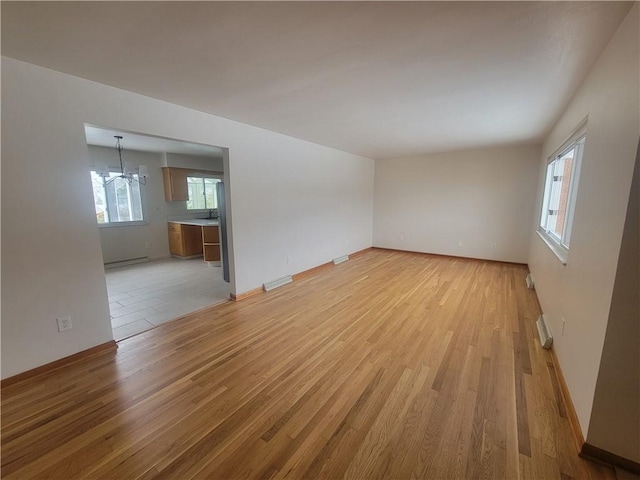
{"x":161,"y":212}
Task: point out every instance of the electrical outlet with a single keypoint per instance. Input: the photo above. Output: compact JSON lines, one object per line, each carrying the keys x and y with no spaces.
{"x":402,"y":236}
{"x":494,"y":245}
{"x":289,"y":259}
{"x":459,"y":243}
{"x":147,"y":245}
{"x":64,"y":323}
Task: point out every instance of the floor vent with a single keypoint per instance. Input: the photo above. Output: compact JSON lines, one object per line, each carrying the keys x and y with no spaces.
{"x":342,"y":259}
{"x":530,"y":283}
{"x":546,"y":339}
{"x":277,"y":283}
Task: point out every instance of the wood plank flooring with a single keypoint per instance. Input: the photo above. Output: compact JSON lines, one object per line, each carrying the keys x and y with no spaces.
{"x":392,"y":365}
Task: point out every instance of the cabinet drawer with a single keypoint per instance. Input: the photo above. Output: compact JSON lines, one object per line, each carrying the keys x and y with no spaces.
{"x":212,"y":253}
{"x":210,"y":234}
{"x":174,"y":227}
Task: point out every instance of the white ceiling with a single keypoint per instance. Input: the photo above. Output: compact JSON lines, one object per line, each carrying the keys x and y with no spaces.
{"x":380,"y":79}
{"x":132,"y":141}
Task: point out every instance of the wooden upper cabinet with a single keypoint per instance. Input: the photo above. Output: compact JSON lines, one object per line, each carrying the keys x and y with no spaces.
{"x":175,"y":184}
{"x":175,"y":181}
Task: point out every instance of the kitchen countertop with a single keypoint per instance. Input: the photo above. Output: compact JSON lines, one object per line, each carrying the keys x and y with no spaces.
{"x":201,"y":222}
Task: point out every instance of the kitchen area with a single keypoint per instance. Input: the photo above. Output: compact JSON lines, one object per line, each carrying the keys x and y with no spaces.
{"x":171,"y":261}
{"x":201,"y":235}
{"x":194,"y":238}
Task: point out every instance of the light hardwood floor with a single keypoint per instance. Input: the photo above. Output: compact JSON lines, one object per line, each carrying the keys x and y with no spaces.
{"x":392,"y":365}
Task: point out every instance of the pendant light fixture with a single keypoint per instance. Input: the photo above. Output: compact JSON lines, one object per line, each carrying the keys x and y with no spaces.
{"x":125,"y":173}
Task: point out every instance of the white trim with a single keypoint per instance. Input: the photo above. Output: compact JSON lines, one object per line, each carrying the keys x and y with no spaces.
{"x":579,"y":131}
{"x":573,"y":190}
{"x":559,"y":251}
{"x":576,"y":141}
{"x":134,"y":223}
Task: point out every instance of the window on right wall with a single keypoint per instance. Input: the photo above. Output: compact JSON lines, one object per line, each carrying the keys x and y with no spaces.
{"x":560,"y":191}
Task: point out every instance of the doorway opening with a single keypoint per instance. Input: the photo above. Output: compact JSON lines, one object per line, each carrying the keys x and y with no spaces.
{"x":162,"y":217}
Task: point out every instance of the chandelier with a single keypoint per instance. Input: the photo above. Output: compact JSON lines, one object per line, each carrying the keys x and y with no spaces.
{"x":126,"y":173}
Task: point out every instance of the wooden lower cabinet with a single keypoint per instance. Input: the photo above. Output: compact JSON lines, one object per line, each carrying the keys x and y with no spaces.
{"x":211,"y":243}
{"x":212,"y":253}
{"x":185,"y":240}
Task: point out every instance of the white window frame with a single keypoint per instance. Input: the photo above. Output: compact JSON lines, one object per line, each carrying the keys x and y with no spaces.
{"x":560,"y":245}
{"x":130,"y":223}
{"x":202,"y":176}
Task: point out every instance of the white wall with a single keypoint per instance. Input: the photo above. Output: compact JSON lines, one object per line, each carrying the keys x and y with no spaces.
{"x":615,"y":417}
{"x":196,"y":162}
{"x":478,"y":197}
{"x":127,"y":242}
{"x":290,"y":198}
{"x":580,"y":292}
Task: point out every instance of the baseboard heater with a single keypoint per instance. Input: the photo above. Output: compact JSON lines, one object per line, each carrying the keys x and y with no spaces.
{"x":530,"y":283}
{"x":124,"y":263}
{"x":277,"y":283}
{"x":341,"y":259}
{"x":546,"y":339}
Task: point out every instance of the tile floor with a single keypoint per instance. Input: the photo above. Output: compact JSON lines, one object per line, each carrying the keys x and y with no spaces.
{"x":144,"y":295}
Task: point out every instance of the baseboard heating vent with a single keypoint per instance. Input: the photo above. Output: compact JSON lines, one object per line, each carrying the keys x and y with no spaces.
{"x":546,"y":339}
{"x":530,"y":283}
{"x":342,"y":259}
{"x":277,"y":283}
{"x":124,"y":263}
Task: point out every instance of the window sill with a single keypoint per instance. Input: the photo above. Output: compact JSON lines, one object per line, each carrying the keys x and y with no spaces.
{"x":122,"y":224}
{"x":557,"y":251}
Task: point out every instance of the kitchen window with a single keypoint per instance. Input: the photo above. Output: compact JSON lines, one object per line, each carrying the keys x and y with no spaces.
{"x":202,"y":193}
{"x":117,"y":202}
{"x":560,"y":191}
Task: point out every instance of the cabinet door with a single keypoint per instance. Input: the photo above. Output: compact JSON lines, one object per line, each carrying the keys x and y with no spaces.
{"x":210,"y":234}
{"x":175,"y":184}
{"x":212,"y":253}
{"x":179,"y":189}
{"x":192,"y":240}
{"x":175,"y":239}
{"x":175,"y":244}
